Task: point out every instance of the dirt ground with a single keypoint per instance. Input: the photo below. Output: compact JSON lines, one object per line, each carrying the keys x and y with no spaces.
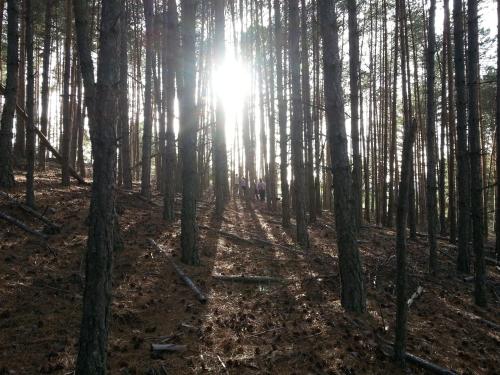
{"x":293,"y":327}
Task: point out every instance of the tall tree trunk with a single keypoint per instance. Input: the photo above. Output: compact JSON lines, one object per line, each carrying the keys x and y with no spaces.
{"x":123,"y":104}
{"x":296,"y":128}
{"x":169,"y":69}
{"x":45,"y":81}
{"x":452,"y":215}
{"x":353,"y":297}
{"x":30,"y":107}
{"x":20,"y":138}
{"x":354,"y":95}
{"x":403,"y":196}
{"x":148,"y":105}
{"x":92,"y":354}
{"x":9,"y":107}
{"x":66,"y":139}
{"x":80,"y":160}
{"x":401,"y":217}
{"x":188,"y":129}
{"x":272,"y":116}
{"x":497,"y":132}
{"x":308,"y":123}
{"x":463,"y":165}
{"x":220,"y":153}
{"x":431,"y":141}
{"x":393,"y":146}
{"x":282,"y":116}
{"x":475,"y":152}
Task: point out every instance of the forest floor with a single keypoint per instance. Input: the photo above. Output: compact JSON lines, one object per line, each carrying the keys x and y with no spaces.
{"x":293,"y":327}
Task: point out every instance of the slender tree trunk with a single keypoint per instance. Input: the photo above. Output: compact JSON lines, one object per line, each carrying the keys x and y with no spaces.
{"x":282,"y":116}
{"x":451,"y":127}
{"x":296,"y":129}
{"x":45,"y":81}
{"x":497,"y":132}
{"x":30,"y":107}
{"x":66,"y":138}
{"x":475,"y":152}
{"x":353,"y":297}
{"x":403,"y":198}
{"x":92,"y":354}
{"x":442,"y":141}
{"x":169,"y":76}
{"x":148,"y":105}
{"x":123,"y":104}
{"x":220,"y":153}
{"x":188,"y":133}
{"x":308,"y":123}
{"x":80,"y":161}
{"x":463,"y":165}
{"x":431,"y":141}
{"x":20,"y":138}
{"x":271,"y":186}
{"x":9,"y":107}
{"x":393,"y":147}
{"x":354,"y":95}
{"x":401,"y":217}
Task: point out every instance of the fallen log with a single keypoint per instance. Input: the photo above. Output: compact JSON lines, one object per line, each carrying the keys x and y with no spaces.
{"x":54,"y":227}
{"x":429,"y":366}
{"x":23,"y":226}
{"x":387,"y":349}
{"x":199,"y":295}
{"x":168,"y":348}
{"x":415,"y":295}
{"x":248,"y":279}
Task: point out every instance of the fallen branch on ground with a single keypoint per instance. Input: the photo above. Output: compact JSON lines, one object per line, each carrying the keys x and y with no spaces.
{"x":415,"y":295}
{"x":168,"y":348}
{"x":54,"y":227}
{"x":201,"y":297}
{"x":248,"y":279}
{"x":23,"y":226}
{"x":387,"y":349}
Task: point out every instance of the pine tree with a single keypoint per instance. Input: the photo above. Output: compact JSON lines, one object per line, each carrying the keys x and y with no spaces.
{"x":353,"y":296}
{"x":9,"y":107}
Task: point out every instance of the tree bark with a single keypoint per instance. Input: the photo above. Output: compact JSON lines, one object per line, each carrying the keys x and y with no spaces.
{"x":308,"y":123}
{"x":451,"y":127}
{"x":282,"y":116}
{"x":169,"y":79}
{"x":220,"y":152}
{"x":497,"y":132}
{"x":475,"y":152}
{"x":9,"y":107}
{"x":188,"y":129}
{"x":354,"y":95}
{"x":66,"y":138}
{"x":431,"y":141}
{"x":296,"y":128}
{"x":30,"y":107}
{"x":20,"y":137}
{"x":463,"y":166}
{"x":92,"y":354}
{"x":148,"y":108}
{"x":353,"y":297}
{"x":401,"y":217}
{"x":124,"y":106}
{"x":45,"y":81}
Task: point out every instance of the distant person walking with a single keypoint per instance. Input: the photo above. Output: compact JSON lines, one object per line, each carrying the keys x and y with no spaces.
{"x":261,"y":188}
{"x":243,"y":187}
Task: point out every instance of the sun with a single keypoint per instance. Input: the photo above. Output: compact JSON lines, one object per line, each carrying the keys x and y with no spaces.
{"x":231,"y":81}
